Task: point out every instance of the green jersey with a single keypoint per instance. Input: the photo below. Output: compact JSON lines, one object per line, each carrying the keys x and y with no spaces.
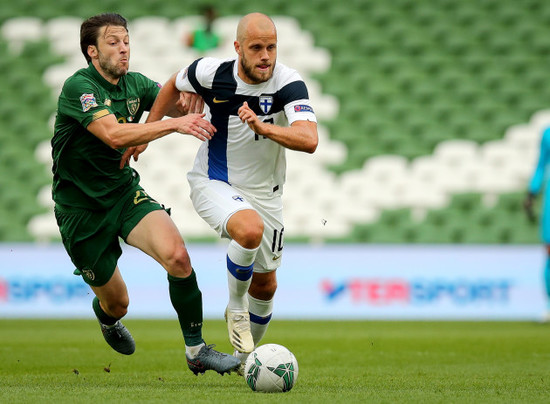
{"x":86,"y":171}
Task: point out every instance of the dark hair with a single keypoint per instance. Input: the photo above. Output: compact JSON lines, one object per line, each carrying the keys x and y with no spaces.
{"x":89,"y":30}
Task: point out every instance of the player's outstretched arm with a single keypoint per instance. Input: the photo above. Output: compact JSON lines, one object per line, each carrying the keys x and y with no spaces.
{"x":187,"y":103}
{"x":121,"y":135}
{"x":300,"y":136}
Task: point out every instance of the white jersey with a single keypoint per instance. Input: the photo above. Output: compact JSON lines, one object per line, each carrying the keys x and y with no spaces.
{"x":236,"y":155}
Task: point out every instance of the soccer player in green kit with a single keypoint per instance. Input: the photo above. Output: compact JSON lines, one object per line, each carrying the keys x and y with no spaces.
{"x":97,"y":194}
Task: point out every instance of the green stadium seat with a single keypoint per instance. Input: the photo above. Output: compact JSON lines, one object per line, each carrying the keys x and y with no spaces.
{"x":408,"y":75}
{"x":466,"y":202}
{"x":431,"y":234}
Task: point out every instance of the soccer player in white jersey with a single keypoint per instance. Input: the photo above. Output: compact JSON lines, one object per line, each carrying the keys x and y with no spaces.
{"x":259,"y":108}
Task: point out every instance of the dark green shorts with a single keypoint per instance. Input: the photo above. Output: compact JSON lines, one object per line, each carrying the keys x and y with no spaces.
{"x":91,"y":238}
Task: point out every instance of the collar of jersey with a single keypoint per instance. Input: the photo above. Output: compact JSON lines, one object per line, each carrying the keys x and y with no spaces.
{"x":104,"y":83}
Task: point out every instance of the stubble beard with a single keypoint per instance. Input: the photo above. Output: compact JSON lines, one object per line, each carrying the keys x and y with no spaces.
{"x":252,"y":76}
{"x":111,"y":69}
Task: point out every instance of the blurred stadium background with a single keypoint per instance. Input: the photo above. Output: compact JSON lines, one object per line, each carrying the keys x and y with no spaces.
{"x":430,"y":112}
{"x":430,"y":118}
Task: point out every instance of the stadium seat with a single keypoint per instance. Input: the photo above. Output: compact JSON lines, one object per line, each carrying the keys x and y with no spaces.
{"x":403,"y":78}
{"x":20,"y":30}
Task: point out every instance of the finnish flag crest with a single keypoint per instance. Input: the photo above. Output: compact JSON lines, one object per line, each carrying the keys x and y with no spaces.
{"x":266,"y":101}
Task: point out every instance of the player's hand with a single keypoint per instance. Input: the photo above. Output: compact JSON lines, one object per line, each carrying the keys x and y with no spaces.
{"x":190,"y":103}
{"x":528,"y":206}
{"x":134,"y":152}
{"x":248,"y":116}
{"x":196,"y":125}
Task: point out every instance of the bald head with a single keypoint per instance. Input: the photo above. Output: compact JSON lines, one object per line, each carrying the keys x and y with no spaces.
{"x":256,"y":45}
{"x":255,"y":24}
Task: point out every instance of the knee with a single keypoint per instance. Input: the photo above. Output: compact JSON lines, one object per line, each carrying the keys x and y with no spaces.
{"x":178,"y":263}
{"x":249,"y":235}
{"x":246,"y":227}
{"x":263,"y":289}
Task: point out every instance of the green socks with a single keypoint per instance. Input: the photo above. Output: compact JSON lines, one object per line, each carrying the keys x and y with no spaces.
{"x":103,"y":317}
{"x":186,"y":298}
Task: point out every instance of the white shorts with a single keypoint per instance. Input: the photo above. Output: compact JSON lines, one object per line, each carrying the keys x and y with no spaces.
{"x":216,"y":201}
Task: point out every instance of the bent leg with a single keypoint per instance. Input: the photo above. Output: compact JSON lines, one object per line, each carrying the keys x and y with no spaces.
{"x":245,"y":228}
{"x":157,"y":235}
{"x":110,"y":305}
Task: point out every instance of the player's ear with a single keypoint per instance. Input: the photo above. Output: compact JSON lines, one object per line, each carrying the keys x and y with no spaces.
{"x":237,"y":46}
{"x":92,"y":51}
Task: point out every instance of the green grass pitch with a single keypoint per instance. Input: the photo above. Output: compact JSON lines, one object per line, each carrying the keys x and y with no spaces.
{"x":67,"y":361}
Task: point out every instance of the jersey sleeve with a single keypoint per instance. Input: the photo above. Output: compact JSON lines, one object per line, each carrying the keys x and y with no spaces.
{"x":80,"y":101}
{"x":182,"y":81}
{"x":198,"y":76}
{"x":190,"y":78}
{"x":296,"y":102}
{"x":540,"y":171}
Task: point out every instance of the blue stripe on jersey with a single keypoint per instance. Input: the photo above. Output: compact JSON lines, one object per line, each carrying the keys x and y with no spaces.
{"x":260,"y":320}
{"x":238,"y":271}
{"x":223,"y":89}
{"x":220,"y":100}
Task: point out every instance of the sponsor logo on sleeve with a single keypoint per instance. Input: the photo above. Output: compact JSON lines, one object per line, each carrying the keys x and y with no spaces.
{"x":303,"y":108}
{"x":88,"y":102}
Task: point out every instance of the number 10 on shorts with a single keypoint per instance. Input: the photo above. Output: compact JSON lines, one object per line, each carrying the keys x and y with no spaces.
{"x":278,"y":241}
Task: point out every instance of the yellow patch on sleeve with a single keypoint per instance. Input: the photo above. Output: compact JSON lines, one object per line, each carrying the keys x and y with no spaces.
{"x":100,"y":114}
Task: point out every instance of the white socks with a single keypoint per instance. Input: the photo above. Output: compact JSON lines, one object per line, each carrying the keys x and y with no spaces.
{"x":192,"y":351}
{"x":260,"y":316}
{"x":240,"y":262}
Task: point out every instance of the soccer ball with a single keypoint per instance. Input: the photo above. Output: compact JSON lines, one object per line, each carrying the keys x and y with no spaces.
{"x":271,"y":368}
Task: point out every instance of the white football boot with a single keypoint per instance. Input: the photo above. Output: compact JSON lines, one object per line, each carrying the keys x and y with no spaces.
{"x":238,"y":326}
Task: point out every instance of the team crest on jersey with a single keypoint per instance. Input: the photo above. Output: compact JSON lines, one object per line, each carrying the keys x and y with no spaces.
{"x":88,"y":102}
{"x":266,"y":101}
{"x":133,"y":105}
